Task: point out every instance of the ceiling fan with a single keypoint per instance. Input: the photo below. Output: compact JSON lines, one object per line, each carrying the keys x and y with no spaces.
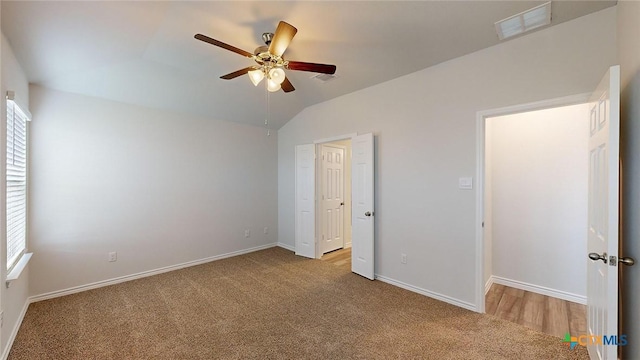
{"x":270,"y":63}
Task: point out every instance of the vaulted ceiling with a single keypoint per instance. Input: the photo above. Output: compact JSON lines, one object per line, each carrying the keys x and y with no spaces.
{"x":144,"y":53}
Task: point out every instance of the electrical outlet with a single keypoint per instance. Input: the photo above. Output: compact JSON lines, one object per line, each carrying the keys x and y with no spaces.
{"x":113,"y":256}
{"x":403,"y":258}
{"x":247,"y":233}
{"x":266,"y":230}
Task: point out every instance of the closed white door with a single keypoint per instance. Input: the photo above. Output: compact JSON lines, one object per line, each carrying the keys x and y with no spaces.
{"x":332,"y":201}
{"x":305,"y":201}
{"x":362,"y":252}
{"x":602,"y":272}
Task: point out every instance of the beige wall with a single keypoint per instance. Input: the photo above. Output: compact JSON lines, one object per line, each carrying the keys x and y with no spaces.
{"x":629,"y":56}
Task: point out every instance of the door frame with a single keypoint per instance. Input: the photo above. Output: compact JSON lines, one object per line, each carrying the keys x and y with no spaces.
{"x":318,"y":144}
{"x":481,"y":117}
{"x":320,"y":180}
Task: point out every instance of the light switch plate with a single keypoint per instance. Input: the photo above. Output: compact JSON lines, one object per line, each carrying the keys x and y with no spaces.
{"x":465,"y":183}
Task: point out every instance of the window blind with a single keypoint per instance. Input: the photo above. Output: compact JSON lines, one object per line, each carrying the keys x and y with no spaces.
{"x":16,"y":183}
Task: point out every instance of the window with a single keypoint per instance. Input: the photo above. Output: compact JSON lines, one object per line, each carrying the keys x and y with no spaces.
{"x":16,"y":181}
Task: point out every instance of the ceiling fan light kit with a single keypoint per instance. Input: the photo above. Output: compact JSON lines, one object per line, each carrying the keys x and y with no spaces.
{"x":270,"y":63}
{"x":256,"y":76}
{"x":273,"y":86}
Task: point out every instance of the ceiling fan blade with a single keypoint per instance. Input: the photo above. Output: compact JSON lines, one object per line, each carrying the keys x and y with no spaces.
{"x":235,"y":74}
{"x":286,"y":85}
{"x":223,"y":45}
{"x":305,"y":66}
{"x":282,"y":37}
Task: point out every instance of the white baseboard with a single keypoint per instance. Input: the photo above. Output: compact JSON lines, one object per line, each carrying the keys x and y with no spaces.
{"x":121,"y":279}
{"x":14,"y":331}
{"x":431,"y":294}
{"x":286,"y":246}
{"x":487,"y":286}
{"x":559,"y":294}
{"x":347,"y":244}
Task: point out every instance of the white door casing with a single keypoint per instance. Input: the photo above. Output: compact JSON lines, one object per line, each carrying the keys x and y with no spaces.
{"x":332,"y":198}
{"x":305,"y":200}
{"x":362,"y":253}
{"x":602,"y":276}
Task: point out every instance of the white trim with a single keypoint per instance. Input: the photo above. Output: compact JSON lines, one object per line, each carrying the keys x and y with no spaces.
{"x":538,"y":105}
{"x":121,"y":279}
{"x":558,"y":294}
{"x":11,"y":95}
{"x":14,"y":331}
{"x":286,"y":246}
{"x":335,"y":138}
{"x":14,"y":274}
{"x":431,"y":294}
{"x":347,"y":244}
{"x":487,"y":286}
{"x":480,"y":135}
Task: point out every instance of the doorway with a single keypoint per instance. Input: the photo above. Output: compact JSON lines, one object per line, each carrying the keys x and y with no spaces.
{"x":533,"y":188}
{"x":334,"y":196}
{"x":308,"y":214}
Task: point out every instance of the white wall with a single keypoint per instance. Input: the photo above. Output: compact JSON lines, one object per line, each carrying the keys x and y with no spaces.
{"x":425,"y":130}
{"x":159,"y":188}
{"x":629,"y":54}
{"x":539,"y":181}
{"x":13,"y":299}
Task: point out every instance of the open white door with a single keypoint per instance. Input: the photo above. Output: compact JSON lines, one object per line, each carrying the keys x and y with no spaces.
{"x":602,"y":272}
{"x":362,"y":201}
{"x":305,"y":201}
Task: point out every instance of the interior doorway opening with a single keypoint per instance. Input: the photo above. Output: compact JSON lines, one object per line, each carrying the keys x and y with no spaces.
{"x":534,"y":198}
{"x":307,"y":213}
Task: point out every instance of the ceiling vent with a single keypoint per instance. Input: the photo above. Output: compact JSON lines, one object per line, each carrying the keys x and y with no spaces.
{"x":525,"y":21}
{"x":324,"y":77}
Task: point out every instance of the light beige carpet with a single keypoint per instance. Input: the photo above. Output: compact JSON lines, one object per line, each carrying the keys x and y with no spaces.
{"x":269,"y":305}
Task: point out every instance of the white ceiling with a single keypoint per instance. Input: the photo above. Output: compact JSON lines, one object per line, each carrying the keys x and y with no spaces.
{"x":144,"y":52}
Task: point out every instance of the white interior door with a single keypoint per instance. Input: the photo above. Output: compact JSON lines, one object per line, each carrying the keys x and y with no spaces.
{"x":305,"y":200}
{"x":332,"y":201}
{"x":362,"y":256}
{"x":602,"y":273}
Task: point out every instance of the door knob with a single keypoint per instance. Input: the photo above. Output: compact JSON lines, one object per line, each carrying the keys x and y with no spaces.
{"x":596,"y":257}
{"x":627,"y":261}
{"x":368,"y":213}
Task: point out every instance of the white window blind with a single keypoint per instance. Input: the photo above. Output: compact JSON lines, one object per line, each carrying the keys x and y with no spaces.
{"x":16,"y":183}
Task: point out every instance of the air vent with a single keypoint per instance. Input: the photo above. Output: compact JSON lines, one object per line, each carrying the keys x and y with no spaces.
{"x":525,"y":21}
{"x":324,"y":77}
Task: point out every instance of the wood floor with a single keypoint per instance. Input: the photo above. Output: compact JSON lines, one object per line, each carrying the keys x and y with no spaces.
{"x":338,"y":257}
{"x":539,"y":312}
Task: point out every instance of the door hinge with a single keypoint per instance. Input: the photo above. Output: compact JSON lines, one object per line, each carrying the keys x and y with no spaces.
{"x":483,"y":224}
